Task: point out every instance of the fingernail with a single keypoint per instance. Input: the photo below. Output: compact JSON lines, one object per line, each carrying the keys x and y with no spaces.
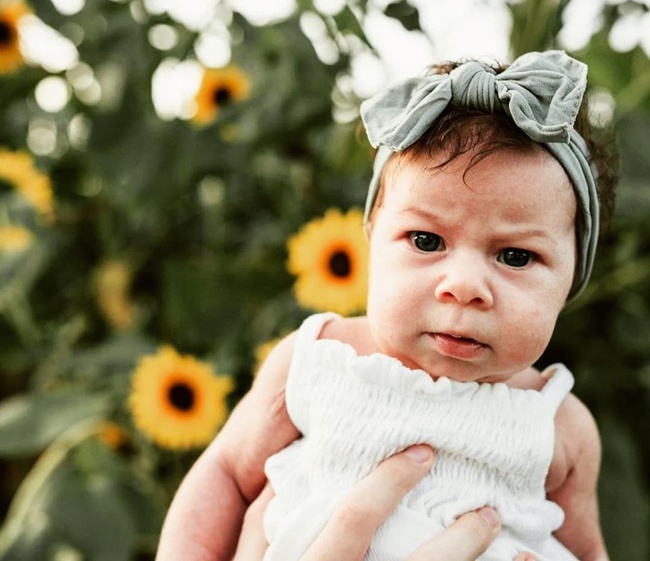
{"x":490,"y":515}
{"x":420,"y":453}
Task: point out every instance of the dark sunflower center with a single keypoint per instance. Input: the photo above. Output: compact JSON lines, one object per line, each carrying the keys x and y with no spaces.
{"x":6,"y":186}
{"x":340,"y":264}
{"x":6,"y":33}
{"x":222,"y":96}
{"x":181,"y":396}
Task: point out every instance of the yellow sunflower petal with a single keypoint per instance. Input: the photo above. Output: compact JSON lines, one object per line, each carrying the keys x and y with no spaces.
{"x":329,"y":257}
{"x":219,"y":87}
{"x":112,"y":435}
{"x":14,"y":239}
{"x":178,"y":401}
{"x":10,"y":55}
{"x":112,"y":286}
{"x":17,"y":169}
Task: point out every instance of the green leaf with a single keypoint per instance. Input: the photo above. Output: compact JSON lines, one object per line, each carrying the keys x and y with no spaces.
{"x":28,"y":423}
{"x":80,"y":497}
{"x":92,"y":513}
{"x":405,"y":13}
{"x":193,"y":314}
{"x":625,"y":74}
{"x":35,"y":542}
{"x":113,"y":358}
{"x":347,"y":22}
{"x":19,"y":272}
{"x":535,"y":24}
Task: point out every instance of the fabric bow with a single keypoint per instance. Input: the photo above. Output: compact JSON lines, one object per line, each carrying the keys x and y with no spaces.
{"x":540,"y":91}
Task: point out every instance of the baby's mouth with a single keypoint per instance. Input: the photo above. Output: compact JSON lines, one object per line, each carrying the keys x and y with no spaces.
{"x":457,"y":346}
{"x":460,"y":338}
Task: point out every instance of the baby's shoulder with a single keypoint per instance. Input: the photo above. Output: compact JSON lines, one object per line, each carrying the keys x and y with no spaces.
{"x":353,"y":331}
{"x":577,"y":441}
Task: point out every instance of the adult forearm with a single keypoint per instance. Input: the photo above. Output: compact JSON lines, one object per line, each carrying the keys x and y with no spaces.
{"x":205,"y":517}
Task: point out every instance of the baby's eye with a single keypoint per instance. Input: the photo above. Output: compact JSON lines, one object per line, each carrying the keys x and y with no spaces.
{"x":426,"y":241}
{"x":514,"y":257}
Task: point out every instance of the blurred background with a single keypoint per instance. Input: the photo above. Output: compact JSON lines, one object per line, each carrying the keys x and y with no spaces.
{"x":180,"y":185}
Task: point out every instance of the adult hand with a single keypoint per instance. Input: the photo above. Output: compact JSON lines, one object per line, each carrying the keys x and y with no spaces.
{"x":349,"y":532}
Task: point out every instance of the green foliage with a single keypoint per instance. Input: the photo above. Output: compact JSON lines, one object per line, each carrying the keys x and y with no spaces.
{"x":406,"y":14}
{"x":627,"y":536}
{"x":79,"y":493}
{"x":197,"y":218}
{"x":30,"y":422}
{"x":535,"y":24}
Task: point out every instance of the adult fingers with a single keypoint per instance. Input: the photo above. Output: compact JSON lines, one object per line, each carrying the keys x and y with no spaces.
{"x":252,"y":541}
{"x":348,"y":533}
{"x":464,"y":540}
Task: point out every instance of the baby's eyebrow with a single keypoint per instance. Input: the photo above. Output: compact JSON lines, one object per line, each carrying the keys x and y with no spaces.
{"x":526,"y":234}
{"x":422,"y":213}
{"x":505,"y":235}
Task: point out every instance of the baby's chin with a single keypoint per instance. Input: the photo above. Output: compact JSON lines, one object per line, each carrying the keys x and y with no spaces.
{"x":453,"y":368}
{"x":463,"y":373}
{"x":478,"y":379}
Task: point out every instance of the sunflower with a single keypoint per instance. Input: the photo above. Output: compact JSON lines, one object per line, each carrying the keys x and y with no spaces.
{"x":18,"y":170}
{"x":219,"y":87}
{"x":329,"y":257}
{"x":10,"y":55}
{"x":112,"y":286}
{"x":178,"y":401}
{"x":14,"y":239}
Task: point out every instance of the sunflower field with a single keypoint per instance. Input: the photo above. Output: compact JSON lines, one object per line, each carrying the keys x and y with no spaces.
{"x":179,"y":191}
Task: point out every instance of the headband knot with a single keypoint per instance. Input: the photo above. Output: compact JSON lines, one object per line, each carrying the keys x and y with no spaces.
{"x":473,"y":85}
{"x":540,"y":91}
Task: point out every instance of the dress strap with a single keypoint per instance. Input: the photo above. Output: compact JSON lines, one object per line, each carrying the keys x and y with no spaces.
{"x":311,"y":328}
{"x":307,"y":333}
{"x":559,"y":384}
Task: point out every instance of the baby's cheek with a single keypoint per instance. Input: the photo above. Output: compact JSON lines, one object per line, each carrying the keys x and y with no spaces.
{"x":528,"y":340}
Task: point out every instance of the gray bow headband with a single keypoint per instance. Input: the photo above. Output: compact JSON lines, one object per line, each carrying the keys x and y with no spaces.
{"x":541,"y":92}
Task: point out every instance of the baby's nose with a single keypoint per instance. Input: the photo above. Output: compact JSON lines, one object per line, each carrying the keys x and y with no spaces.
{"x":464,"y":279}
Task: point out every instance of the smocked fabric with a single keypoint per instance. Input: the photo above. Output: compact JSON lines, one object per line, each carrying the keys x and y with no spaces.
{"x":494,"y":447}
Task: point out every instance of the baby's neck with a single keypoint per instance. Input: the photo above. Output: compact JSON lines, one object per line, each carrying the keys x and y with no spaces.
{"x":357,"y":333}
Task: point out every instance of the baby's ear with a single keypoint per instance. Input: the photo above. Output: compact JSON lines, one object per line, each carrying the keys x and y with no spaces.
{"x":369,"y":224}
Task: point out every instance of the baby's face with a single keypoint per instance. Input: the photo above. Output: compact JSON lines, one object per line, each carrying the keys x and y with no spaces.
{"x":467,"y":281}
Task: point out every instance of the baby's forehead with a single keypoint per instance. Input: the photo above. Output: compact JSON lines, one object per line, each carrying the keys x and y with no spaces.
{"x":475,"y":162}
{"x":516,"y":175}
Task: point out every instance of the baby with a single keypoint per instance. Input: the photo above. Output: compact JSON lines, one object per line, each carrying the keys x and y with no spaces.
{"x":482,"y":218}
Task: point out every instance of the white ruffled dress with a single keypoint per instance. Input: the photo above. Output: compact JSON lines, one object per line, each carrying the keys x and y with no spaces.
{"x":494,"y":447}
